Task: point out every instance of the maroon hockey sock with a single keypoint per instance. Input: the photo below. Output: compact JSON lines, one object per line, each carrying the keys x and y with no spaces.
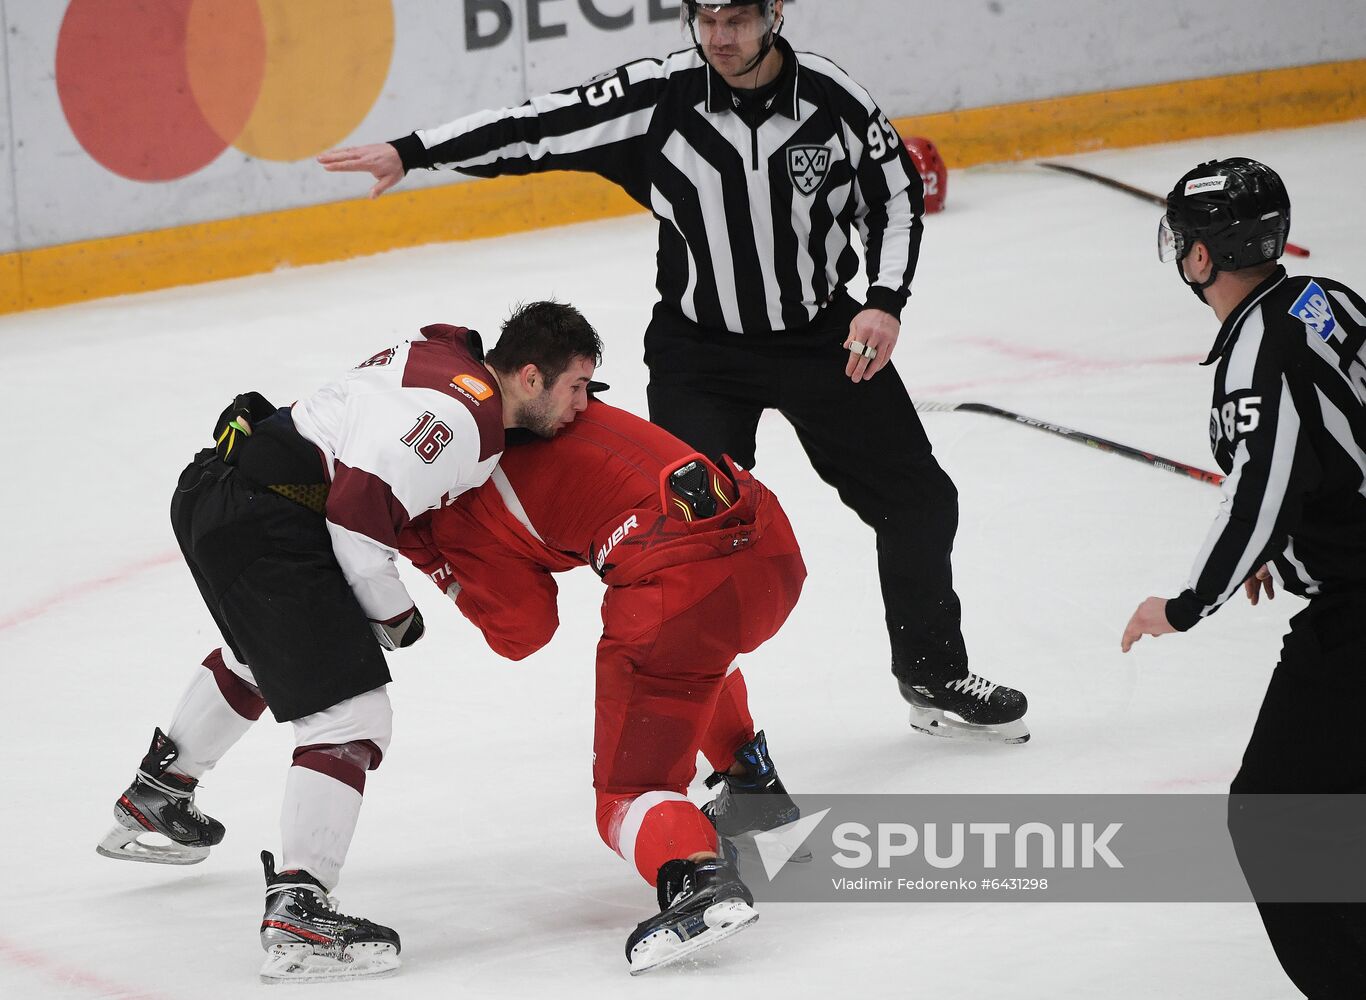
{"x":245,"y":700}
{"x":215,"y":710}
{"x":321,"y":807}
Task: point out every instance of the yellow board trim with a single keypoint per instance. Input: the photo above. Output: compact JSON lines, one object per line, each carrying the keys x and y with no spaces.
{"x":73,"y":272}
{"x":253,"y":244}
{"x":1167,"y":112}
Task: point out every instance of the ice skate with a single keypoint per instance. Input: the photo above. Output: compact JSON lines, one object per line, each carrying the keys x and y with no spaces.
{"x":967,"y":708}
{"x":308,"y":941}
{"x":752,"y":802}
{"x":700,"y":903}
{"x":155,"y":819}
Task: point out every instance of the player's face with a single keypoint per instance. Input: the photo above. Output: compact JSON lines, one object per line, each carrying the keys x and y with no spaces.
{"x":559,"y":403}
{"x":731,"y":36}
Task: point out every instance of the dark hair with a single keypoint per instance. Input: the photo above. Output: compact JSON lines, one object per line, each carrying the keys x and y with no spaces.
{"x":549,"y":335}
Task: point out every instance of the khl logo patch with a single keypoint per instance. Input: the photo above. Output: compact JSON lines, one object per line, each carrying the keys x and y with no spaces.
{"x":807,"y":166}
{"x":1313,"y":309}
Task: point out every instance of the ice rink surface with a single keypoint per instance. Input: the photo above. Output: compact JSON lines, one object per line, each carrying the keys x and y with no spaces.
{"x":1036,"y":292}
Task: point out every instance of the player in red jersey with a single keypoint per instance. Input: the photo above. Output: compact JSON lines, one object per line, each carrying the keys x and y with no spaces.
{"x":700,"y":565}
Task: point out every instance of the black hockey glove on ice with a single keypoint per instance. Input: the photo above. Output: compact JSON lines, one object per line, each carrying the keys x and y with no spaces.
{"x":400,"y":633}
{"x":235,"y":423}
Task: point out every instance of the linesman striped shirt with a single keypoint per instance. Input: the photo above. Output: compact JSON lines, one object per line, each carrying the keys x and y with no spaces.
{"x":755,"y":207}
{"x":1288,"y":427}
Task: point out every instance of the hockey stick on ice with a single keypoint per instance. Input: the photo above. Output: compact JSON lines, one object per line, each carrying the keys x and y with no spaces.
{"x":1090,"y":440}
{"x":1148,"y":196}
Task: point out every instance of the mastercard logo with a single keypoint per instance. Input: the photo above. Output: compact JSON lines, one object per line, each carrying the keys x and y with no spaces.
{"x":158,"y":89}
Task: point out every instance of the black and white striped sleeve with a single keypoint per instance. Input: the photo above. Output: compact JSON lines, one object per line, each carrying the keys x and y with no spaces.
{"x":1273,"y":466}
{"x":891,"y":201}
{"x":587,"y":128}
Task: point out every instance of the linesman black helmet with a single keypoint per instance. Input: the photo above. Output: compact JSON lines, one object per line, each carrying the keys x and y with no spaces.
{"x":1237,"y":207}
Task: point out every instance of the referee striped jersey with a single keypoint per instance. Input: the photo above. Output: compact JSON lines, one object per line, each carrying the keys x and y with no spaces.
{"x":1288,"y":427}
{"x":755,"y":209}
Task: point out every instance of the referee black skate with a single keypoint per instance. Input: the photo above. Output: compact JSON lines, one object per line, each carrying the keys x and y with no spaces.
{"x":1288,"y":428}
{"x":758,"y":162}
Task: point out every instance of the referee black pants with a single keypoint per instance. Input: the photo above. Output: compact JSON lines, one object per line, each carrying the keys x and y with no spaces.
{"x":1308,"y":740}
{"x":709,"y":387}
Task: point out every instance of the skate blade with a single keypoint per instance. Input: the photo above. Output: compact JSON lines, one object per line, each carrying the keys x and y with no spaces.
{"x":936,"y":722}
{"x":125,"y":844}
{"x":299,"y":963}
{"x":730,"y":916}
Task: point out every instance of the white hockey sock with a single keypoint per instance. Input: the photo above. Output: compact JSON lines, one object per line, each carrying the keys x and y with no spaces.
{"x":204,"y":726}
{"x":317,"y":822}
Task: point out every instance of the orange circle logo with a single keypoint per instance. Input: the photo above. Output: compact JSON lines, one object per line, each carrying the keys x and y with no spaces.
{"x":157,"y":90}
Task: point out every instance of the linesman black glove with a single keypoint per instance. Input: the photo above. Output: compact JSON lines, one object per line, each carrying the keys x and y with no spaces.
{"x":401,"y":632}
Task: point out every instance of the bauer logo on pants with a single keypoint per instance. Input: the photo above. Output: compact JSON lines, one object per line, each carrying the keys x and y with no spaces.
{"x":807,"y":166}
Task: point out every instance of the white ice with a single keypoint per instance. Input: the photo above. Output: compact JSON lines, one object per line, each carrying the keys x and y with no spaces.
{"x":1037,"y":292}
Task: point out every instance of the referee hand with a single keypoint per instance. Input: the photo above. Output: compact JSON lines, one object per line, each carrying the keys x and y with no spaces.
{"x":1150,"y":618}
{"x":1258,"y":582}
{"x":871,"y":340}
{"x":380,"y":159}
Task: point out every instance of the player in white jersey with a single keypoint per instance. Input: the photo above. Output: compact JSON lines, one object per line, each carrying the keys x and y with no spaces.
{"x":289,"y":526}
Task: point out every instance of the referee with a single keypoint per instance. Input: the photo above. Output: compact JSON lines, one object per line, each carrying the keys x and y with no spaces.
{"x":1288,"y":428}
{"x":758,"y":163}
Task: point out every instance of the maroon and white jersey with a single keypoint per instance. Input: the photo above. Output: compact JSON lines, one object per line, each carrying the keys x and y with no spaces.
{"x":405,"y":432}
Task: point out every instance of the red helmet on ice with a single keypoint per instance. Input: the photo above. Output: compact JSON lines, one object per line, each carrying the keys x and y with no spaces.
{"x":933,"y":174}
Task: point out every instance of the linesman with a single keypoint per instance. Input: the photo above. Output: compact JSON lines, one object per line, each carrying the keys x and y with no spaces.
{"x":1288,"y":428}
{"x":759,"y":162}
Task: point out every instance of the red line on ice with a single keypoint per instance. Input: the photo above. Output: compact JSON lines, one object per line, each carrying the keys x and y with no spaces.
{"x":1080,"y":360}
{"x":1059,"y":364}
{"x":67,"y":975}
{"x":84,"y":587}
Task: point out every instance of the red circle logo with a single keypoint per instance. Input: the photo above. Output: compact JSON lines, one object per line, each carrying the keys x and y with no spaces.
{"x":156,"y":89}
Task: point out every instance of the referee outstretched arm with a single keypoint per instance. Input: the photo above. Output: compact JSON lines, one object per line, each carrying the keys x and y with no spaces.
{"x":595,"y":127}
{"x":826,"y":159}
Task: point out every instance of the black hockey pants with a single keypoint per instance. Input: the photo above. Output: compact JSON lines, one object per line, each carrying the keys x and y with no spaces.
{"x":266,"y":570}
{"x":1307,"y":739}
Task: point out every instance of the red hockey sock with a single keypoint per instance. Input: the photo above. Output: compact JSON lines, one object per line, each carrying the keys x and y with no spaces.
{"x":652,"y":828}
{"x":731,"y":725}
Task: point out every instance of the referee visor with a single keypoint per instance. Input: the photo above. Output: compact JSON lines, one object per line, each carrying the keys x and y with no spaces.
{"x":1171,"y":245}
{"x":730,"y":24}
